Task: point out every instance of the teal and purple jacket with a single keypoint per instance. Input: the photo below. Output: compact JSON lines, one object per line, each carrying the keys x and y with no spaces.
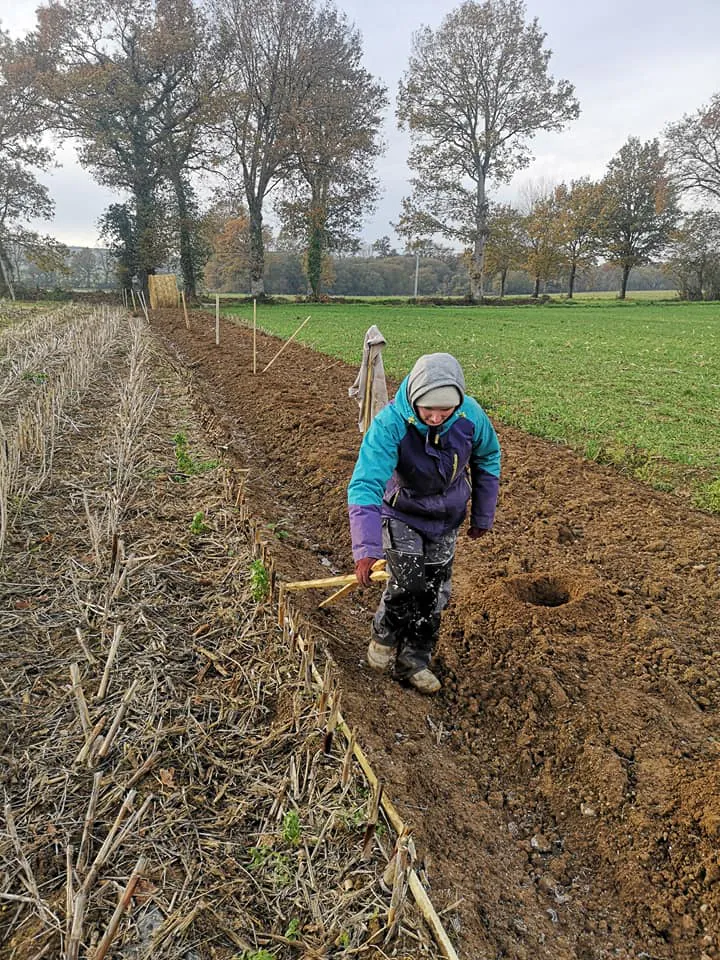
{"x":424,"y":475}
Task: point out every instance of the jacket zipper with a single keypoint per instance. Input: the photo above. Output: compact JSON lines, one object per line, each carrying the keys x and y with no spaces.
{"x":455,"y":466}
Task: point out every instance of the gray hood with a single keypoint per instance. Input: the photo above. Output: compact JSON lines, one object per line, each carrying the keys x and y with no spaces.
{"x":434,"y":370}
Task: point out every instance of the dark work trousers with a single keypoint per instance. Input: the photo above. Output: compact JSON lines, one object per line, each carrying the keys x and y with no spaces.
{"x":408,"y":617}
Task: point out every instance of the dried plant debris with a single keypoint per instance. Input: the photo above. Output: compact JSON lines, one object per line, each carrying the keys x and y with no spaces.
{"x":169,"y":788}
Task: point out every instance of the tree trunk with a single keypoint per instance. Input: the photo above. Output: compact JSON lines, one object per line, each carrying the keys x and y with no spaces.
{"x":536,"y":291}
{"x":571,"y":280}
{"x":481,"y":235}
{"x":503,"y":280}
{"x":187,"y":258}
{"x":257,"y":251}
{"x":7,"y":274}
{"x":623,"y":287}
{"x":145,"y":236}
{"x":315,"y":251}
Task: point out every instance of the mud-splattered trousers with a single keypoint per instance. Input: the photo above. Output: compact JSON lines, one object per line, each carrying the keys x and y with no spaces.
{"x":408,"y":617}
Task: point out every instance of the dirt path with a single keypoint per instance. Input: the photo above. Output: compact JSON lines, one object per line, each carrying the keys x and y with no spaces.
{"x":566,"y":783}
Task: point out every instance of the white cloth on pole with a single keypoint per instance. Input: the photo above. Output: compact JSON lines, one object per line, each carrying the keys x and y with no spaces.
{"x":372,"y":367}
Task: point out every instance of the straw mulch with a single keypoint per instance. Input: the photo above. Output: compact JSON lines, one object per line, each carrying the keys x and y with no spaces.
{"x":168,"y":783}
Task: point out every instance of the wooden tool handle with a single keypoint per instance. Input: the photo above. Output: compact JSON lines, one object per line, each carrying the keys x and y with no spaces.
{"x":349,"y":579}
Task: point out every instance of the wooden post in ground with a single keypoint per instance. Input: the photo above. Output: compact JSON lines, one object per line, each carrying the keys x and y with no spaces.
{"x":184,"y":306}
{"x":132,"y":294}
{"x":143,"y":304}
{"x":254,"y":336}
{"x":217,"y":319}
{"x":368,"y":399}
{"x":287,"y":343}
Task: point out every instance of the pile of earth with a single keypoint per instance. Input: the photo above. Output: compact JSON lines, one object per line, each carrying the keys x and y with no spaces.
{"x":565,"y":784}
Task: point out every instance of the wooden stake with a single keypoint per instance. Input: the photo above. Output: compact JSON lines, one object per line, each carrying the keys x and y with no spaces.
{"x":254,"y":336}
{"x":367,"y":403}
{"x":143,"y":304}
{"x":373,"y":815}
{"x":184,"y":306}
{"x":132,"y":294}
{"x":350,"y":578}
{"x":348,"y":588}
{"x":287,"y":343}
{"x":217,"y":319}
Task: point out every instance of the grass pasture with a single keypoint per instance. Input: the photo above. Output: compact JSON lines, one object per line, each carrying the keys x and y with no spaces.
{"x":634,"y":384}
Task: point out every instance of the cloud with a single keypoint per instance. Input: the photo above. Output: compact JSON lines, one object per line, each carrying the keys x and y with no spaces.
{"x":79,"y":202}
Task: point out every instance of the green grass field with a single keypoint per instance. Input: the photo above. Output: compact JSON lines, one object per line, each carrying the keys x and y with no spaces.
{"x":635,"y":384}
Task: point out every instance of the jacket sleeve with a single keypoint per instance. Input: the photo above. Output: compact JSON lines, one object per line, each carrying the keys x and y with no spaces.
{"x":375,"y":464}
{"x":484,"y":469}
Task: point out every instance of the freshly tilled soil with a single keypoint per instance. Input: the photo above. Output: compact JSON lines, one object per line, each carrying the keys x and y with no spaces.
{"x":565,"y":783}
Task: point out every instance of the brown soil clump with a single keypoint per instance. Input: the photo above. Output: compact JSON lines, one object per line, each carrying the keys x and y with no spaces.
{"x":565,"y":784}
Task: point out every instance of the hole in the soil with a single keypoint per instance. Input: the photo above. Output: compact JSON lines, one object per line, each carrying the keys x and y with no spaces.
{"x":543,"y":592}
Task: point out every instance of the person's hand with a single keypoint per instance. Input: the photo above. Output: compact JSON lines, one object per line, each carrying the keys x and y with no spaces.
{"x":476,"y":532}
{"x":363,"y":569}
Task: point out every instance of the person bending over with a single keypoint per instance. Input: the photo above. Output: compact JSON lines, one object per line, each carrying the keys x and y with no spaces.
{"x":428,"y":452}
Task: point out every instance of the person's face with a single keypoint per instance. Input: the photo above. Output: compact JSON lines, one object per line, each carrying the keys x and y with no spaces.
{"x":434,"y":416}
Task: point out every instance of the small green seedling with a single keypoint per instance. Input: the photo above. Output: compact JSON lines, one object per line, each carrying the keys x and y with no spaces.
{"x":198,"y":524}
{"x":259,"y":581}
{"x":278,"y":530}
{"x":293,"y":929}
{"x":187,"y":466}
{"x":35,"y":376}
{"x":291,"y":827}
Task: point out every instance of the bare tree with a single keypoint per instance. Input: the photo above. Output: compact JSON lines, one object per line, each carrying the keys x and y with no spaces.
{"x":336,"y":135}
{"x":639,"y":207}
{"x":123,"y":81}
{"x":507,"y":242}
{"x":692,"y":150}
{"x":474,"y":94}
{"x":23,"y":116}
{"x":578,"y":210}
{"x":267,"y":43}
{"x":694,"y":256}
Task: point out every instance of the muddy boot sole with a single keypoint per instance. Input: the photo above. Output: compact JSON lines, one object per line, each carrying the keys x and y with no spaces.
{"x":380,"y":656}
{"x":425,"y":681}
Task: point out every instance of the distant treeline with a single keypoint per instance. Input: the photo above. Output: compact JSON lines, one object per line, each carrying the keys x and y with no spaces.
{"x":389,"y":276}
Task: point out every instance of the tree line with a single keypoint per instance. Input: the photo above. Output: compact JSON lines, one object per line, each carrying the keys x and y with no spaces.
{"x":267,"y":102}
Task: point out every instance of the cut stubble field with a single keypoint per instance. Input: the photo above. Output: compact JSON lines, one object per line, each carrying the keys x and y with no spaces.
{"x":168,"y":786}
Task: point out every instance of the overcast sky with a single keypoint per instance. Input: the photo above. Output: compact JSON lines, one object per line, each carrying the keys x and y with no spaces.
{"x":636,"y":65}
